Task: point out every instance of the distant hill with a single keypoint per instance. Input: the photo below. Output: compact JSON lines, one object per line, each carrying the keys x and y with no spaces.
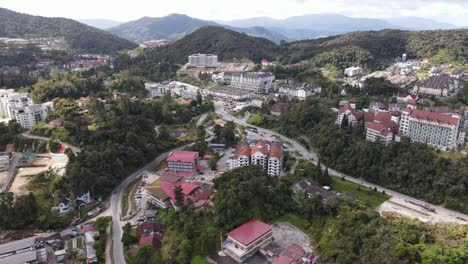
{"x":100,"y":23}
{"x":374,"y":49}
{"x":78,"y":36}
{"x":176,"y":26}
{"x":227,"y":44}
{"x":418,"y":23}
{"x":319,"y":25}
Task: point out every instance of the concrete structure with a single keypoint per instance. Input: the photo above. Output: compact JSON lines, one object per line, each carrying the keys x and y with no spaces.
{"x":353,"y":71}
{"x":299,"y":90}
{"x":28,"y":250}
{"x":267,"y":155}
{"x":156,"y":90}
{"x":182,"y":161}
{"x":29,"y":116}
{"x":435,"y":129}
{"x":183,"y":90}
{"x":378,"y":132}
{"x":350,"y":113}
{"x":228,"y":92}
{"x":257,"y":82}
{"x":10,"y":99}
{"x":244,"y":241}
{"x":4,"y":160}
{"x":203,"y":60}
{"x":439,"y":85}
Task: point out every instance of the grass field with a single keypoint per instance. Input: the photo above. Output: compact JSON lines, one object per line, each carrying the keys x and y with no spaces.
{"x":366,"y":195}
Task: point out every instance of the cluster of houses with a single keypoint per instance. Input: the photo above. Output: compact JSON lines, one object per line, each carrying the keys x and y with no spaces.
{"x":21,"y":108}
{"x":269,"y":155}
{"x":87,"y":62}
{"x":68,"y":203}
{"x":442,"y":128}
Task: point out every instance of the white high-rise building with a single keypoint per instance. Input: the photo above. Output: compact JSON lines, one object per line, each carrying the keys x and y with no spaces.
{"x":203,"y":60}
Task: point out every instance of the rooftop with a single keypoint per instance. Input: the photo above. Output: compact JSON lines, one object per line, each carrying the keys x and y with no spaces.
{"x":435,"y":117}
{"x":182,"y":156}
{"x":249,"y":232}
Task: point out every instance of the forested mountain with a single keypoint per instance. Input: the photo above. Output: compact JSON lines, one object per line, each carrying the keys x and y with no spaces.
{"x":78,"y":36}
{"x":374,"y":48}
{"x":227,"y":44}
{"x":176,"y":26}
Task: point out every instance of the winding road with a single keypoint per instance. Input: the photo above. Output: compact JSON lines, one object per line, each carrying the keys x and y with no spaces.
{"x":312,"y":156}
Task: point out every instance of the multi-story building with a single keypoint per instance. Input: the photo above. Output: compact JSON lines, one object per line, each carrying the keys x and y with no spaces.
{"x":350,"y":113}
{"x":182,"y":161}
{"x":156,"y":90}
{"x":29,"y":116}
{"x":257,"y":82}
{"x":244,"y":241}
{"x":353,"y":71}
{"x":435,"y":129}
{"x":203,"y":60}
{"x":299,"y":90}
{"x":438,"y":85}
{"x":269,"y":156}
{"x":228,"y":92}
{"x":376,"y":131}
{"x":10,"y":99}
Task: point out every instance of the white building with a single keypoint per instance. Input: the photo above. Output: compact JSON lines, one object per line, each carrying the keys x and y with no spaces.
{"x":29,"y":116}
{"x":228,"y":92}
{"x":9,"y":98}
{"x":269,"y":156}
{"x":353,"y":71}
{"x":378,"y":132}
{"x":203,"y":60}
{"x":257,"y":82}
{"x":300,"y":91}
{"x":156,"y":90}
{"x":183,"y":90}
{"x":28,"y":250}
{"x":435,"y":129}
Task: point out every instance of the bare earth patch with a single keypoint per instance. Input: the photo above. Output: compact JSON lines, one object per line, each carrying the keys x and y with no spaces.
{"x":23,"y":177}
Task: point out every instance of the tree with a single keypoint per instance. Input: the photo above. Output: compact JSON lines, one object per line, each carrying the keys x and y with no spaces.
{"x":179,"y":196}
{"x":147,"y":255}
{"x":185,"y":252}
{"x":199,"y":98}
{"x":128,"y":238}
{"x":213,"y":162}
{"x":217,"y":131}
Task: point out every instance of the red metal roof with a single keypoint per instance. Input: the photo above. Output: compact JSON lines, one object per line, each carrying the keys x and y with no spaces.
{"x":434,"y":117}
{"x":276,"y":151}
{"x":250,"y":231}
{"x":260,"y":146}
{"x":183,"y":156}
{"x":243,"y":150}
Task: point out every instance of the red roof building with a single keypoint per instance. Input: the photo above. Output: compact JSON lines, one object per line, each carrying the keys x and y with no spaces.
{"x":154,"y":240}
{"x":294,"y":254}
{"x":182,"y":161}
{"x":247,"y":239}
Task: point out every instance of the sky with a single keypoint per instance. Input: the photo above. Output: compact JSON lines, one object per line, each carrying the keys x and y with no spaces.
{"x":450,"y":11}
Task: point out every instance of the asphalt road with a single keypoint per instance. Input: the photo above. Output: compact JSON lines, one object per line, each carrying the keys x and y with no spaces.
{"x":312,"y":156}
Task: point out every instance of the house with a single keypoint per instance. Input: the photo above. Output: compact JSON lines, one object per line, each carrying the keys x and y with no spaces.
{"x":378,"y":132}
{"x":353,"y":71}
{"x":350,"y":113}
{"x":154,"y":240}
{"x":438,"y":85}
{"x":60,"y":256}
{"x":244,"y":241}
{"x":182,"y":161}
{"x":299,"y":90}
{"x":57,"y":122}
{"x":90,"y":248}
{"x":312,"y":188}
{"x":64,"y":206}
{"x":82,"y":197}
{"x":295,"y":254}
{"x":377,"y":107}
{"x":149,"y":228}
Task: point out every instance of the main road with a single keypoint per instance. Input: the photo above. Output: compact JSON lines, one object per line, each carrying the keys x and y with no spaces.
{"x":312,"y":156}
{"x":116,"y":201}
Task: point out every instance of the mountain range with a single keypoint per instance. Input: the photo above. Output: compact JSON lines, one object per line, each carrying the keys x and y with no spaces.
{"x":175,"y":26}
{"x":78,"y":36}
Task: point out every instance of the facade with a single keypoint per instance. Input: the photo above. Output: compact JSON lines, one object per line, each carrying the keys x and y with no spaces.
{"x":353,"y":71}
{"x":439,"y":85}
{"x":10,"y":99}
{"x":244,"y":241}
{"x":351,"y":114}
{"x":269,"y":156}
{"x":29,"y":116}
{"x":437,"y":130}
{"x":228,"y":92}
{"x":300,"y":91}
{"x":256,"y":82}
{"x":156,"y":90}
{"x":183,"y":90}
{"x":378,"y":132}
{"x":203,"y":60}
{"x":182,"y":161}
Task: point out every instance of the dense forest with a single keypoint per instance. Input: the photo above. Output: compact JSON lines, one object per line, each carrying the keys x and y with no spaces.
{"x":78,"y":36}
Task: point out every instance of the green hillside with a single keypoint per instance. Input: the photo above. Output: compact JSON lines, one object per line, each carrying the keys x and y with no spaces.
{"x":78,"y":36}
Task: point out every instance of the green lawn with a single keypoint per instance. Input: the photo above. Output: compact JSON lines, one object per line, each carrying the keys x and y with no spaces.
{"x":79,"y":242}
{"x":255,"y":119}
{"x":199,"y":260}
{"x":366,"y":195}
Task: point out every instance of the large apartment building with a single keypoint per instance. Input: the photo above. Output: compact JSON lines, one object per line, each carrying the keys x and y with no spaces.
{"x":435,"y":129}
{"x":20,"y":107}
{"x":257,"y":82}
{"x":203,"y":60}
{"x":269,"y":156}
{"x":439,"y":85}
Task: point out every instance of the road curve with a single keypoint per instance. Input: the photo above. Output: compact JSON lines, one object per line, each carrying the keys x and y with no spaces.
{"x":312,"y":156}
